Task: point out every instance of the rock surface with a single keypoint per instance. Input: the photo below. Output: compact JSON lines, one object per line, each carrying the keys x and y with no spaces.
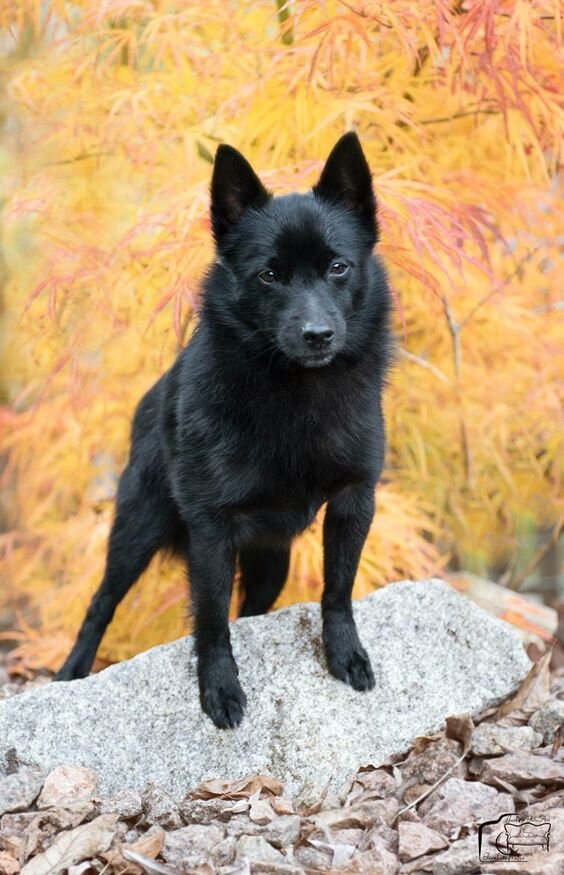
{"x":67,"y":785}
{"x":416,"y":839}
{"x":18,"y":791}
{"x":548,"y":718}
{"x":456,"y":803}
{"x":490,"y":739}
{"x":434,"y":653}
{"x":523,"y":769}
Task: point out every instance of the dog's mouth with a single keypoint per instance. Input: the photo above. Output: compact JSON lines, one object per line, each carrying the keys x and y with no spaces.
{"x":308,"y":358}
{"x":317,"y":361}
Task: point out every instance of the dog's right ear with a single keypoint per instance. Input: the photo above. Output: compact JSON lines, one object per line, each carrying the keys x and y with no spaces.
{"x":234,"y":187}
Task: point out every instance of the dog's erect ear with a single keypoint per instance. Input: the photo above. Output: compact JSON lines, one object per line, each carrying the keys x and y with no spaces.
{"x":346,"y":180}
{"x":234,"y":187}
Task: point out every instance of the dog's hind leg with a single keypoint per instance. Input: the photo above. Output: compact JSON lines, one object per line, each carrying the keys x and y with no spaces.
{"x":263,"y":574}
{"x":144,"y":522}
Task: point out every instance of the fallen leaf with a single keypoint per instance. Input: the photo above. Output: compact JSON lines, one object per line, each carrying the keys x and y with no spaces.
{"x":460,"y":728}
{"x":242,"y":788}
{"x":74,"y":846}
{"x":420,"y":742}
{"x":51,"y":821}
{"x":282,"y":805}
{"x":149,"y":845}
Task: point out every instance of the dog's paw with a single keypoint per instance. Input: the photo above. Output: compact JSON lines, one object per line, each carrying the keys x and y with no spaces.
{"x":353,"y":667}
{"x":361,"y":676}
{"x":348,"y":661}
{"x":223,"y":699}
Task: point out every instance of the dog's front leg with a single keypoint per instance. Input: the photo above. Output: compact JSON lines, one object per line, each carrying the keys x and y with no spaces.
{"x":211,"y":561}
{"x":346,"y":526}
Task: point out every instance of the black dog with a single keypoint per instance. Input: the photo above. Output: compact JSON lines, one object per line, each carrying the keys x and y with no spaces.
{"x":273,"y":408}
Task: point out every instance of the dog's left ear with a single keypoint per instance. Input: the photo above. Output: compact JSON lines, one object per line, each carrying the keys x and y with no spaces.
{"x":346,"y":180}
{"x":234,"y":187}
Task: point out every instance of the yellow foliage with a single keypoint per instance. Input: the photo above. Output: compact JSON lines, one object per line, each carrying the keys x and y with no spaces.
{"x":112,"y":113}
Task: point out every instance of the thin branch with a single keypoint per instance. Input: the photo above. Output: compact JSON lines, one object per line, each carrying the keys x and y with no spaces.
{"x":82,"y":157}
{"x":518,"y":580}
{"x":450,"y":118}
{"x":355,"y":9}
{"x":424,"y":364}
{"x":432,"y":788}
{"x":498,"y":287}
{"x":538,"y":17}
{"x":454,"y":329}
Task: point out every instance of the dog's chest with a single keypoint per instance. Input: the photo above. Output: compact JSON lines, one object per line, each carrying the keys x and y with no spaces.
{"x":321,"y":443}
{"x":286,"y":481}
{"x":280,"y":455}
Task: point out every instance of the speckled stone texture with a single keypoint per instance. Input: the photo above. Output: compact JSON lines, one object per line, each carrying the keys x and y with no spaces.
{"x":434,"y":653}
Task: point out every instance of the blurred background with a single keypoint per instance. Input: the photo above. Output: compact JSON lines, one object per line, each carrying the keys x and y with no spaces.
{"x":110,"y":114}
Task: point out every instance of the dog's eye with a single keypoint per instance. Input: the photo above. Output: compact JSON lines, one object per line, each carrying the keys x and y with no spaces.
{"x":267,"y":276}
{"x":338,"y":268}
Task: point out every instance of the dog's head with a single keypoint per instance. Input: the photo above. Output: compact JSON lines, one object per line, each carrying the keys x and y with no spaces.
{"x":300,"y":266}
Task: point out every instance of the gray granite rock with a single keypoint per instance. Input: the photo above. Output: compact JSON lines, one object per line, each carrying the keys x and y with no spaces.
{"x":128,"y":804}
{"x":256,"y":848}
{"x":281,"y":831}
{"x":459,"y":859}
{"x":457,"y":803}
{"x":19,"y":790}
{"x":548,"y":718}
{"x":192,"y":845}
{"x":523,"y":769}
{"x":489,"y":739}
{"x":416,"y":839}
{"x":378,"y":860}
{"x":434,"y":653}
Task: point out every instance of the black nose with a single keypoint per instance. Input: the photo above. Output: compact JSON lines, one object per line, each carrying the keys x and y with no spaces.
{"x":317,"y":336}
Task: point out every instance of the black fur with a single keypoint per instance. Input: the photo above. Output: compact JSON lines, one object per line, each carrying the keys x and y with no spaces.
{"x":273,"y":409}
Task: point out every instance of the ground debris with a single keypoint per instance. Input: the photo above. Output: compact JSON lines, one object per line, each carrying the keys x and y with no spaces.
{"x":416,"y":814}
